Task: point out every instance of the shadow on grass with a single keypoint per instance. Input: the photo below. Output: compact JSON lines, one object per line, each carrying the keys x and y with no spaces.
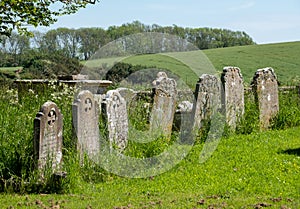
{"x":292,"y":152}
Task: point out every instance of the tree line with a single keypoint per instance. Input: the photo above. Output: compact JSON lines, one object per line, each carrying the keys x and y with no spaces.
{"x":82,"y":43}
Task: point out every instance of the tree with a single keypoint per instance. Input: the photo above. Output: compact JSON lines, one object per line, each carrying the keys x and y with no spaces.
{"x":91,"y":40}
{"x":12,"y":47}
{"x":19,"y":14}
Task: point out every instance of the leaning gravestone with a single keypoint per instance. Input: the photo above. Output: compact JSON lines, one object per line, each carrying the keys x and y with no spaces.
{"x":265,"y":87}
{"x":48,"y":134}
{"x":207,"y":100}
{"x":164,"y":105}
{"x":115,"y":111}
{"x":85,"y":112}
{"x":233,"y":95}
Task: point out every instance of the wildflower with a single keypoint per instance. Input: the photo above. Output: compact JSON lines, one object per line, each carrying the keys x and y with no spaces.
{"x":31,"y":91}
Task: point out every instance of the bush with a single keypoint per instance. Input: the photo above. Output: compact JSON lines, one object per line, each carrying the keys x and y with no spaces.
{"x":120,"y":71}
{"x":49,"y":66}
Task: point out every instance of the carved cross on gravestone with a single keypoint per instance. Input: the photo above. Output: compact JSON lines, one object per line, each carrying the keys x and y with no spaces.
{"x":48,"y":133}
{"x":51,"y":117}
{"x":115,"y":111}
{"x":88,"y":105}
{"x":85,"y":112}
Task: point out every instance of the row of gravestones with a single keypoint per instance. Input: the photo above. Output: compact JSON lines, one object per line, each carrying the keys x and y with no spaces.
{"x":211,"y":94}
{"x":48,"y":127}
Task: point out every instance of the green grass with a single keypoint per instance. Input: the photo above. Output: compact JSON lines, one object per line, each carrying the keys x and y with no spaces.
{"x":244,"y":171}
{"x":9,"y":68}
{"x":283,"y":57}
{"x":260,"y":168}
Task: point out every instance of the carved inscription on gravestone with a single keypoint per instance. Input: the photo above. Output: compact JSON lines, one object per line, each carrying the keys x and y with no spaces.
{"x":164,"y":104}
{"x":233,"y":97}
{"x":265,"y":87}
{"x":48,"y":133}
{"x":85,"y":121}
{"x":117,"y":120}
{"x":207,"y":99}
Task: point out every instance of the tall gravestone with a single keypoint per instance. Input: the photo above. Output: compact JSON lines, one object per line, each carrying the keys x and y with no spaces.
{"x":164,"y":104}
{"x":207,"y":99}
{"x":265,"y":87}
{"x":85,"y":112}
{"x":233,"y":95}
{"x":114,"y":108}
{"x":48,"y":135}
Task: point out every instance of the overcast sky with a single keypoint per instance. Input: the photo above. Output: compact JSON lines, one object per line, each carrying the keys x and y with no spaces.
{"x":266,"y":21}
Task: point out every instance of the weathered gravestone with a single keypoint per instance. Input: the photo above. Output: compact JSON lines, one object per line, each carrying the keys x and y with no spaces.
{"x":85,"y":112}
{"x":115,"y":111}
{"x":127,"y":94}
{"x":182,"y":115}
{"x":265,"y":87}
{"x":48,"y":134}
{"x":164,"y":105}
{"x":233,"y":95}
{"x":207,"y":100}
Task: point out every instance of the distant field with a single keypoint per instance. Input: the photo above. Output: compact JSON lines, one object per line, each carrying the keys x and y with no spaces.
{"x":283,"y":57}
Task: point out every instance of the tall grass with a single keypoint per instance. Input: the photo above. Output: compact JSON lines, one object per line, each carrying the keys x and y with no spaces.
{"x":289,"y":112}
{"x":17,"y":173}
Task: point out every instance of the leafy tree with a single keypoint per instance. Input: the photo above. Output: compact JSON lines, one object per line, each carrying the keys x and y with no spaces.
{"x":18,"y":14}
{"x":12,"y":47}
{"x":91,"y":39}
{"x":37,"y":65}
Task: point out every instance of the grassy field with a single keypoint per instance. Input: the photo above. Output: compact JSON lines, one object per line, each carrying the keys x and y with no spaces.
{"x":256,"y":170}
{"x":283,"y":57}
{"x":250,"y":170}
{"x":246,"y":171}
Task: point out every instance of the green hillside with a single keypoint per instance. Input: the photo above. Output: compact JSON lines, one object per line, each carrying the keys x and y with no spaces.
{"x":283,"y":57}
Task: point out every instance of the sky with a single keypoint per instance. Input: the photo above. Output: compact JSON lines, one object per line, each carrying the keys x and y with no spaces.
{"x":266,"y":21}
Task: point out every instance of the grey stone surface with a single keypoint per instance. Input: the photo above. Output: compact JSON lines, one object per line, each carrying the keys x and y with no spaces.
{"x":48,"y":135}
{"x":85,"y":112}
{"x":185,"y":106}
{"x":182,"y":115}
{"x":265,"y":88}
{"x":164,"y":104}
{"x":207,"y":99}
{"x":117,"y":119}
{"x":233,"y":95}
{"x":127,"y":94}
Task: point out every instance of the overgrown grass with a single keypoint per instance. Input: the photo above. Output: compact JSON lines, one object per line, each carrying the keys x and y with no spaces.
{"x":248,"y":169}
{"x":245,"y":171}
